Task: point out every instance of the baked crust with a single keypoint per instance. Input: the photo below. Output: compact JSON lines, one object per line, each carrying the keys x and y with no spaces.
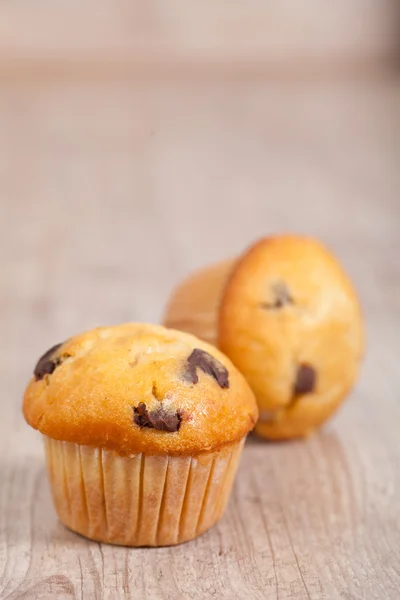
{"x":100,"y":378}
{"x":290,"y":320}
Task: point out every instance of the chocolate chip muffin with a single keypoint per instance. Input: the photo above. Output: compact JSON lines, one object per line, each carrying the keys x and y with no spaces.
{"x":143,"y":429}
{"x":288,"y":317}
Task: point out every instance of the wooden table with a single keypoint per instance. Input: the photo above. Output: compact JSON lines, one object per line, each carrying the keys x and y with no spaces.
{"x":111,"y":191}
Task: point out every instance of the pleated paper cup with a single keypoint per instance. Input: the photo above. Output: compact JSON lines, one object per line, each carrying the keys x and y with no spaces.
{"x":139,"y":500}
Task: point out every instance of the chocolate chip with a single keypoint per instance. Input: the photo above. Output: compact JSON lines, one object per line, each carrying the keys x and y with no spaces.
{"x":46,"y":364}
{"x":159,"y":418}
{"x":208,"y":364}
{"x":281,"y":295}
{"x":305,"y":380}
{"x":190,"y":373}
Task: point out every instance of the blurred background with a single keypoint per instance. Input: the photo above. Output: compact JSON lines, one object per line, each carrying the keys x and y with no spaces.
{"x":139,"y":141}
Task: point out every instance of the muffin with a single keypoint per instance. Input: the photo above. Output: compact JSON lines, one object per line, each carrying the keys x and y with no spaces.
{"x":289,"y":318}
{"x":194,"y":305}
{"x":143,"y":429}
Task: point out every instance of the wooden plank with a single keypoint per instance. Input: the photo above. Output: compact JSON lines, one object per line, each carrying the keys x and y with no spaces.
{"x":109,"y":195}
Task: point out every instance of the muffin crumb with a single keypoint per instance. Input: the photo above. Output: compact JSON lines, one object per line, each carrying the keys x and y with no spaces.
{"x":156,"y":393}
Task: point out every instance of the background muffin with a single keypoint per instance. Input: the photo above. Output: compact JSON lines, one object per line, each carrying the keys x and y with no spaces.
{"x":289,"y":318}
{"x":143,"y":429}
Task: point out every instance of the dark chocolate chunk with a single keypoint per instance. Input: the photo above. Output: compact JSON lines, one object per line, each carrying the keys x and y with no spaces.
{"x":160,"y":418}
{"x":305,"y":380}
{"x":282,"y":297}
{"x":208,"y":364}
{"x":190,"y":373}
{"x":46,"y":364}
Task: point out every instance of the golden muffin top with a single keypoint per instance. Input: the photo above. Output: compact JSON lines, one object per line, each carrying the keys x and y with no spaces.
{"x":290,"y":320}
{"x":139,"y":388}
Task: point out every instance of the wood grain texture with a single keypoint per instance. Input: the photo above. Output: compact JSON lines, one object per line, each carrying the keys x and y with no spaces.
{"x":110,"y":193}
